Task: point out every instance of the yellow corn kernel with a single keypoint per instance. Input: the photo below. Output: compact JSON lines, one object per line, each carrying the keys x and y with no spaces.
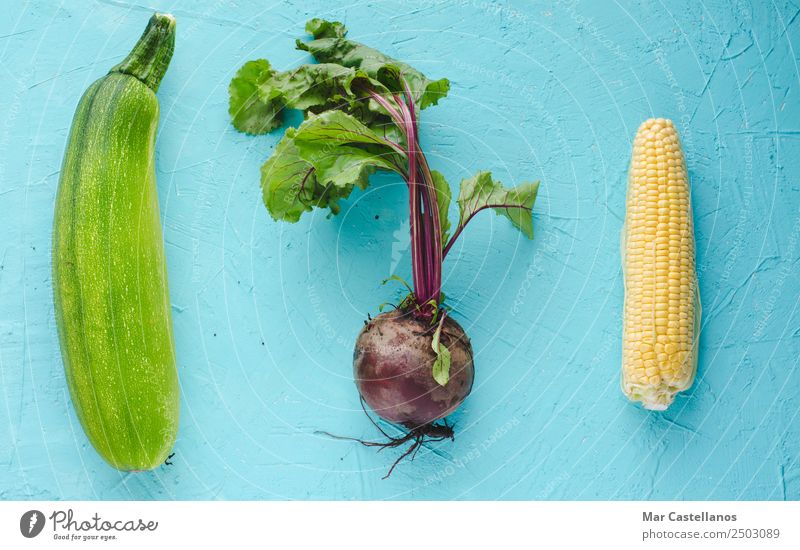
{"x":659,"y":351}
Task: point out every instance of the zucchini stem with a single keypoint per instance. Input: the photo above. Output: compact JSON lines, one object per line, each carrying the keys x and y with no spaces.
{"x":150,"y":57}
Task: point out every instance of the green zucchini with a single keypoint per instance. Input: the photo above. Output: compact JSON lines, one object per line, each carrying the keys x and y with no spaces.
{"x":109,"y":271}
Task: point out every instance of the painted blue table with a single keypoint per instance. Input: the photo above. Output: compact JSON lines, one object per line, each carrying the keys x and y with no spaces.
{"x":265,"y":314}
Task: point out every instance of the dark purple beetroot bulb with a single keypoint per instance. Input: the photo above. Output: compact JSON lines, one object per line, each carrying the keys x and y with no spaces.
{"x":392,"y":366}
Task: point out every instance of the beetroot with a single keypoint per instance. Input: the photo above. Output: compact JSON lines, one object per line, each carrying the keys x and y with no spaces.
{"x":392,"y":369}
{"x":413,"y":366}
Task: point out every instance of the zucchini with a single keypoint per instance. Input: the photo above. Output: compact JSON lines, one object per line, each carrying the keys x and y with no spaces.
{"x":109,"y":271}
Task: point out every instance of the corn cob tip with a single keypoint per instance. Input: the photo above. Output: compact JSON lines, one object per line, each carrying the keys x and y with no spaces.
{"x":650,"y":123}
{"x":652,"y":397}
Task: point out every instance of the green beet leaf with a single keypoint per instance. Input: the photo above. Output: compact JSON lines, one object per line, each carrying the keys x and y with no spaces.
{"x":320,"y":162}
{"x":313,"y":86}
{"x":253,"y":110}
{"x":441,"y":365}
{"x":331,"y":46}
{"x":481,"y":191}
{"x":258,"y":94}
{"x":290,"y":186}
{"x":344,"y":151}
{"x":320,"y":28}
{"x":336,"y":127}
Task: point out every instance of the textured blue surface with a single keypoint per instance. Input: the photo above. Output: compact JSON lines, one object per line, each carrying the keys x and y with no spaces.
{"x":265,"y":314}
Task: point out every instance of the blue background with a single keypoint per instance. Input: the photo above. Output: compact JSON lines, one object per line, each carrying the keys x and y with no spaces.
{"x":265,"y":313}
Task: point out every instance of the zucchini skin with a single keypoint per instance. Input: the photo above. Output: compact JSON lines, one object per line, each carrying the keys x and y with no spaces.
{"x":109,"y":277}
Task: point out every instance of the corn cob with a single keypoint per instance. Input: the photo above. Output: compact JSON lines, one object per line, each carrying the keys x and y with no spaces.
{"x":662,"y":303}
